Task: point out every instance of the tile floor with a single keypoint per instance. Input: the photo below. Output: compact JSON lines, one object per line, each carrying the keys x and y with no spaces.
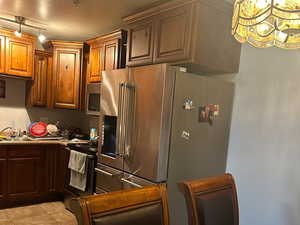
{"x":52,"y":213}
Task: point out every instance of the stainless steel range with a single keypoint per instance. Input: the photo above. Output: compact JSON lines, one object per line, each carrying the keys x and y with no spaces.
{"x":162,"y":125}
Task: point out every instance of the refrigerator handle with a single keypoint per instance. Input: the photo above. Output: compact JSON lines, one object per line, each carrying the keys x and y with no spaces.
{"x":129,"y":104}
{"x":120,"y":128}
{"x":131,"y":183}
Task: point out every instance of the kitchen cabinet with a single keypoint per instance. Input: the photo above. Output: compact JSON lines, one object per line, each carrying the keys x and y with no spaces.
{"x":2,"y":54}
{"x":188,"y":33}
{"x":141,"y":40}
{"x":57,"y":160}
{"x":40,"y":88}
{"x":16,"y":54}
{"x":25,"y":169}
{"x":107,"y":52}
{"x":95,"y":63}
{"x":67,"y":76}
{"x":3,"y":172}
{"x":174,"y":47}
{"x":31,"y":173}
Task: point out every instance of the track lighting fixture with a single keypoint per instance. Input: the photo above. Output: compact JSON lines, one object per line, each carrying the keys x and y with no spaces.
{"x":20,"y":20}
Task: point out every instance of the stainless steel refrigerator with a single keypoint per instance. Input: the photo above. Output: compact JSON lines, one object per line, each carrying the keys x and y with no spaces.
{"x":162,"y":125}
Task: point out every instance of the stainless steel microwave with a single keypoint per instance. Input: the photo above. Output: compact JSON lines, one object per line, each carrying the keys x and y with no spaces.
{"x":93,"y":99}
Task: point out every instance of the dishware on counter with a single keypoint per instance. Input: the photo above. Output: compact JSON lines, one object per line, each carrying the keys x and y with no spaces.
{"x":52,"y":129}
{"x":38,"y":129}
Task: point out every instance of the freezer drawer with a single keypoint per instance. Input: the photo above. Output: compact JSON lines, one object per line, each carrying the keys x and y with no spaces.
{"x":130,"y":181}
{"x":107,"y":179}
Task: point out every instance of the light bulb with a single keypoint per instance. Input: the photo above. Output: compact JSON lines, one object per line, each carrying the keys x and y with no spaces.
{"x":281,"y":36}
{"x":280,"y":2}
{"x":18,"y":33}
{"x":263,"y":28}
{"x":42,"y":38}
{"x":261,"y":4}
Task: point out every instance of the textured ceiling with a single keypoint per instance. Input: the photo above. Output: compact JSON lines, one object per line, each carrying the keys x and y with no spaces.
{"x":65,"y":21}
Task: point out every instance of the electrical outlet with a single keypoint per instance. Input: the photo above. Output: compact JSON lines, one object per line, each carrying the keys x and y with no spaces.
{"x":44,"y":120}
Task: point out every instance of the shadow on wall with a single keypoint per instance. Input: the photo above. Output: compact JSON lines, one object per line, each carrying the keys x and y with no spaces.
{"x":66,"y":118}
{"x":14,"y":97}
{"x":13,"y":110}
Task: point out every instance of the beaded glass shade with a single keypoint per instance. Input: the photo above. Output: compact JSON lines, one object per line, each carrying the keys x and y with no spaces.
{"x":266,"y":23}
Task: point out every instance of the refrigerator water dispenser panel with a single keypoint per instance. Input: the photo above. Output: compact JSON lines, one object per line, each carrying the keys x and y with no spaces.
{"x":109,"y":131}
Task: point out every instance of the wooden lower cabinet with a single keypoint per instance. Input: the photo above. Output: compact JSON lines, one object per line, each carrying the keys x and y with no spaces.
{"x":31,"y":174}
{"x":3,"y":183}
{"x":25,"y":178}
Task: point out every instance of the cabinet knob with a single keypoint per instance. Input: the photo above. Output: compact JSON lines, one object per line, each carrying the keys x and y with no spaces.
{"x":67,"y":67}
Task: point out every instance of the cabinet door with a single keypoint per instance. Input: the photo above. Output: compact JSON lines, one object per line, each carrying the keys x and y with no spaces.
{"x":62,"y":169}
{"x":110,"y":55}
{"x":51,"y":155}
{"x":2,"y":53}
{"x":140,"y":49}
{"x":19,"y":57}
{"x":95,"y":64}
{"x":39,"y":88}
{"x":3,"y":178}
{"x":25,"y":172}
{"x":67,"y":79}
{"x":173,"y":35}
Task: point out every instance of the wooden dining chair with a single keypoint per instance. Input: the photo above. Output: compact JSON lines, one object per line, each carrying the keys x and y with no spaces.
{"x":140,"y":206}
{"x":211,"y":201}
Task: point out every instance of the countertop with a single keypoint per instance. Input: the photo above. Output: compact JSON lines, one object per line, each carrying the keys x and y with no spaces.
{"x":41,"y":142}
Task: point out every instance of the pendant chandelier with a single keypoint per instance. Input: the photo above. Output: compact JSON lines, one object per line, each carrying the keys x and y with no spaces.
{"x":266,"y":23}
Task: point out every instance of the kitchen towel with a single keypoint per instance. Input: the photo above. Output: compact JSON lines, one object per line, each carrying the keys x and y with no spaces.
{"x":78,"y":167}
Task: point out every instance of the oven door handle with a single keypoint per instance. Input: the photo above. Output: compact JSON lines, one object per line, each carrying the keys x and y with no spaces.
{"x":129,"y":182}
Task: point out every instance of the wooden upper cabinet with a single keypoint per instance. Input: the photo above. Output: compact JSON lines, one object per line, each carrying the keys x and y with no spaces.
{"x":2,"y":54}
{"x":107,"y":52}
{"x":140,"y":39}
{"x":96,"y":64}
{"x":187,"y":33}
{"x":67,"y":77}
{"x":173,"y":40}
{"x":40,"y":90}
{"x":19,"y":56}
{"x":110,"y":55}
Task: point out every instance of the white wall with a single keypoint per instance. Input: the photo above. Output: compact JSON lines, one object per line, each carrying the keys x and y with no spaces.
{"x":264,"y":149}
{"x":13,"y":110}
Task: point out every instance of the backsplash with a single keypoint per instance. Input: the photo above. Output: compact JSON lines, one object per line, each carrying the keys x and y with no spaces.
{"x":14,"y":113}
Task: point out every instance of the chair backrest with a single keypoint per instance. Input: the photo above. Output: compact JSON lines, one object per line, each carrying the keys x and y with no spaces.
{"x":211,"y":201}
{"x":140,"y":206}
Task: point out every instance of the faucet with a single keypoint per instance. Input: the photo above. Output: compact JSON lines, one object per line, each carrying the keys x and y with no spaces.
{"x":6,"y":128}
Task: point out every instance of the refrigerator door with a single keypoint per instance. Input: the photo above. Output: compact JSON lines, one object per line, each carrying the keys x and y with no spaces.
{"x":147,"y":143}
{"x":112,"y":122}
{"x":200,"y":134}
